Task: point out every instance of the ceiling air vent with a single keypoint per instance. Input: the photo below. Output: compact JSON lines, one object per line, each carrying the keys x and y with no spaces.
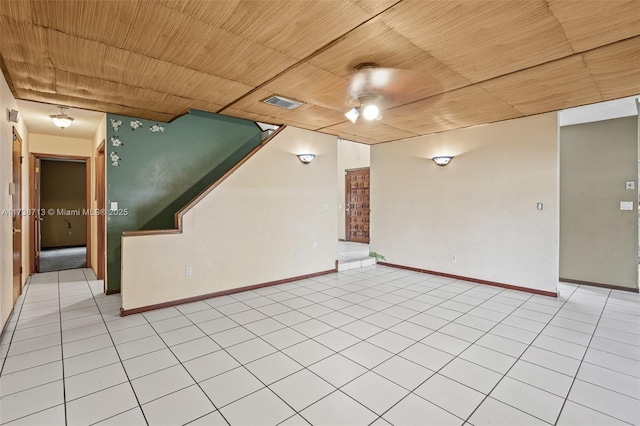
{"x":281,"y":102}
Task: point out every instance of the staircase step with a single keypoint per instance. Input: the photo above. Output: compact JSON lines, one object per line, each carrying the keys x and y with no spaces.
{"x":345,"y":265}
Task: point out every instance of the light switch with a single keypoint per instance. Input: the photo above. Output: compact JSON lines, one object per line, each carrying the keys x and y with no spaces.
{"x":114,"y":206}
{"x":325,"y":207}
{"x":630,"y":184}
{"x":626,"y":205}
{"x":540,"y":206}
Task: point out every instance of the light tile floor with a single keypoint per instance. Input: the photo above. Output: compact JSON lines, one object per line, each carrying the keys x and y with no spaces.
{"x":373,"y":345}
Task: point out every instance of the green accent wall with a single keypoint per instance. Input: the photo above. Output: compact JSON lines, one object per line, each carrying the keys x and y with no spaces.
{"x":158,"y":173}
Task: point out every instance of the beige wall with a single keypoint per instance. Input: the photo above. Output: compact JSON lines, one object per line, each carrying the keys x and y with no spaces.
{"x":7,"y":101}
{"x":258,"y":226}
{"x":598,"y":241}
{"x":60,"y":145}
{"x":481,"y":207}
{"x":351,"y":155}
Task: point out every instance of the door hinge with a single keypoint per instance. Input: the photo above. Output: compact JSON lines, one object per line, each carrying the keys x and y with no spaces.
{"x":21,"y":157}
{"x":21,"y":270}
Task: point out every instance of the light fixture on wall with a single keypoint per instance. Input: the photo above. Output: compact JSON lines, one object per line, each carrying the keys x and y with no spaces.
{"x":306,"y":158}
{"x":442,"y":160}
{"x":62,"y":120}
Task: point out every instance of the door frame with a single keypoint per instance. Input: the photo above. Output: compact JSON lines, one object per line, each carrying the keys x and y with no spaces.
{"x":16,"y":168}
{"x":347,"y":187}
{"x":33,"y":205}
{"x":101,"y":202}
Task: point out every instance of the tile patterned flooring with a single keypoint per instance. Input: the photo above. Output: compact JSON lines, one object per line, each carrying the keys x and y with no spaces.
{"x":370,"y":346}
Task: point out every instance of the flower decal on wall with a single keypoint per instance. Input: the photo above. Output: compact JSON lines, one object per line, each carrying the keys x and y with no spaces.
{"x":135,"y":124}
{"x":156,"y":128}
{"x":115,"y":141}
{"x":116,"y":124}
{"x":115,"y":159}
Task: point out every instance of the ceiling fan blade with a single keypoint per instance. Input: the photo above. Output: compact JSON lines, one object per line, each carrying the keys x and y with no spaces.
{"x":370,"y":81}
{"x":408,"y":86}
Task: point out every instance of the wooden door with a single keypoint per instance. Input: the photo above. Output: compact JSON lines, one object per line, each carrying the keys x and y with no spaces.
{"x":101,"y":207}
{"x":37,"y":218}
{"x":16,"y":199}
{"x":357,"y":205}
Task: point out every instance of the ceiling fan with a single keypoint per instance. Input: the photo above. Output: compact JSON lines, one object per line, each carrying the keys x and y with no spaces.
{"x":365,"y":90}
{"x":374,"y":88}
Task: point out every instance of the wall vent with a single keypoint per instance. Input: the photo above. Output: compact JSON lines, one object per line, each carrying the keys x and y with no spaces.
{"x":281,"y":102}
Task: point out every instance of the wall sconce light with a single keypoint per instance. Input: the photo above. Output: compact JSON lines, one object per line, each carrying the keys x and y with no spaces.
{"x":62,"y":120}
{"x":306,"y":158}
{"x":442,"y":160}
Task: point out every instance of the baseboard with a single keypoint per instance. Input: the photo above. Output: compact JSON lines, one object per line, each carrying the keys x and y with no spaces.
{"x":108,"y":292}
{"x":4,"y":327}
{"x":473,"y":280}
{"x":603,"y":285}
{"x":125,"y":312}
{"x":63,"y":247}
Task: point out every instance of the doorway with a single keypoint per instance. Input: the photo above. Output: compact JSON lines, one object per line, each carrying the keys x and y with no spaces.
{"x":357,"y":205}
{"x":101,"y":207}
{"x":16,"y":204}
{"x":61,"y":198}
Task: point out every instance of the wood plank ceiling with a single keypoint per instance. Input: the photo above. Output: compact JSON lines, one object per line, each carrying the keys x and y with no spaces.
{"x":482,"y":60}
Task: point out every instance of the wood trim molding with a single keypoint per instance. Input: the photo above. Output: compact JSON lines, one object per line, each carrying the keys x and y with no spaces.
{"x":4,"y":327}
{"x":180,"y":214}
{"x":602,"y":285}
{"x":45,"y":156}
{"x":88,"y":240}
{"x":32,"y":219}
{"x":473,"y":280}
{"x":108,"y":292}
{"x":125,"y":312}
{"x":32,"y":200}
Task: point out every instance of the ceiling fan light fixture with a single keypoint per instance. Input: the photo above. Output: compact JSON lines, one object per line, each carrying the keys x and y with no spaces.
{"x":352,"y":115}
{"x":61,"y":120}
{"x":371,"y":112}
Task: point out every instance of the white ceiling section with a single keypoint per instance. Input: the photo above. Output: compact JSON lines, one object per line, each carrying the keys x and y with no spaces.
{"x":625,"y":107}
{"x":36,"y":117}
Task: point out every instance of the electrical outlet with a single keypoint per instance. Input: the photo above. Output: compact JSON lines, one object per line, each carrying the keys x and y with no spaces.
{"x":626,"y":205}
{"x":315,"y":244}
{"x":454,"y":258}
{"x":297,"y":254}
{"x":188,"y":271}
